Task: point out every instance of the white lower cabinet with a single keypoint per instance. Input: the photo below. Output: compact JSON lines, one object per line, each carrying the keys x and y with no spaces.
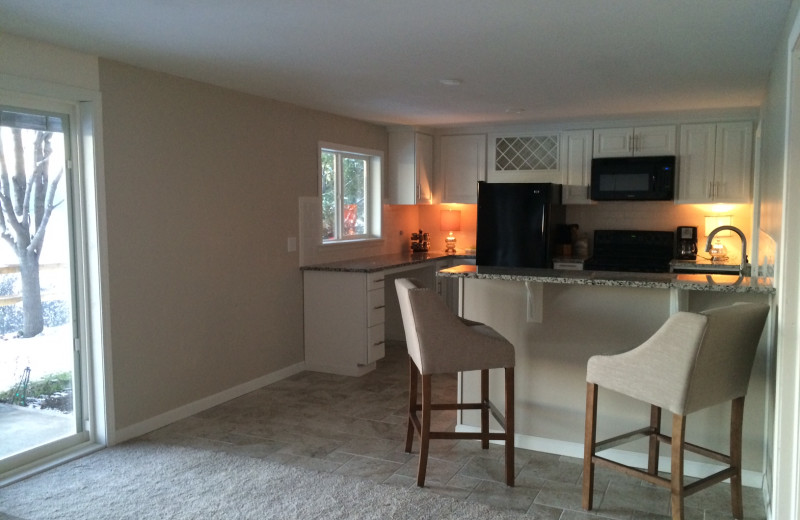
{"x":344,"y":315}
{"x":349,"y":316}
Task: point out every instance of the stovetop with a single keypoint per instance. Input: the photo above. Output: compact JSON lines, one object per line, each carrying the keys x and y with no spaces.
{"x":631,"y":251}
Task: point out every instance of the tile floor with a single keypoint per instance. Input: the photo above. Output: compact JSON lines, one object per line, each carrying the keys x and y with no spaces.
{"x":356,"y":426}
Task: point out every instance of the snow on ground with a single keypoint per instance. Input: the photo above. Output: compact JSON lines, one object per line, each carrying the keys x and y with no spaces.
{"x":48,"y":353}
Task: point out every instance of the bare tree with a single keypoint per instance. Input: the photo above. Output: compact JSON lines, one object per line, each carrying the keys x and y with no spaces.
{"x":26,"y":203}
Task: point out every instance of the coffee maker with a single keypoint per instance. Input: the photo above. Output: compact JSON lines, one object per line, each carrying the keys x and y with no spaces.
{"x":686,"y":246}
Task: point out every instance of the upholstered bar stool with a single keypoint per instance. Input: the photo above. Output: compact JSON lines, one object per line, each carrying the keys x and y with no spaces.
{"x":439,"y":342}
{"x":692,"y":362}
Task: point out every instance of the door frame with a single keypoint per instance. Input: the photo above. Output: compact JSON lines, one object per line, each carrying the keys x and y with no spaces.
{"x":91,"y":256}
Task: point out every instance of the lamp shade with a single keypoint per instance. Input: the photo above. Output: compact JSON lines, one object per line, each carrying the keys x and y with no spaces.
{"x":715,"y":221}
{"x":450,"y":220}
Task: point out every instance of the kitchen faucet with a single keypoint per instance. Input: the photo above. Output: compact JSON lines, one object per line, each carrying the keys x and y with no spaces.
{"x":744,"y":244}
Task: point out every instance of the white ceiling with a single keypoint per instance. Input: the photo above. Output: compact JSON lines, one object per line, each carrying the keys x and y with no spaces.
{"x":381,"y":60}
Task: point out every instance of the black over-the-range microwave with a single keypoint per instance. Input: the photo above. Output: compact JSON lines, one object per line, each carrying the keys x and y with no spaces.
{"x":633,"y":178}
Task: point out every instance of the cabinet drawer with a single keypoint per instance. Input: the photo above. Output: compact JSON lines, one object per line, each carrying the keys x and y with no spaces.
{"x":376,"y":346}
{"x":376,"y":308}
{"x":375,"y":280}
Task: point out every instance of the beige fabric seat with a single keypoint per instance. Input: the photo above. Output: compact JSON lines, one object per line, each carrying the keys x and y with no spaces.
{"x":440,"y":342}
{"x":692,"y":362}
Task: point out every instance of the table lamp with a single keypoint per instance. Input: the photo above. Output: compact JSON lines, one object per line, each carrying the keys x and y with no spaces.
{"x":450,"y":221}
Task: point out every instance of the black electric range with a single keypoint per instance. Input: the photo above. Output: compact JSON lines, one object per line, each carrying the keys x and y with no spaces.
{"x":631,"y":251}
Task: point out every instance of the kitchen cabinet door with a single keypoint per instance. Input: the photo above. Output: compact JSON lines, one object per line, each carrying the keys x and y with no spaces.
{"x":715,"y":163}
{"x":638,"y":141}
{"x":462,"y":163}
{"x":649,"y":141}
{"x":576,"y":155}
{"x":613,"y":142}
{"x":732,"y":163}
{"x":696,"y":163}
{"x":410,"y":167}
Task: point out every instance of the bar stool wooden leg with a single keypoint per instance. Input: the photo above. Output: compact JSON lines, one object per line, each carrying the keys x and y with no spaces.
{"x":509,"y":415}
{"x":590,"y":437}
{"x":485,"y":409}
{"x":655,"y":423}
{"x":737,"y":417}
{"x":413,"y":375}
{"x":425,"y":435}
{"x":676,"y":482}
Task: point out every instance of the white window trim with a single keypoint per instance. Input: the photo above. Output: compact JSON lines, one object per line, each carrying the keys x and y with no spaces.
{"x":374,"y":197}
{"x":87,"y":155}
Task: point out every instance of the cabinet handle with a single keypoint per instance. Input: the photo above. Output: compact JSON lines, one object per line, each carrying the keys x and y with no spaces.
{"x":379,"y":307}
{"x":379,"y":280}
{"x":630,"y":143}
{"x":710,"y":190}
{"x":381,"y":342}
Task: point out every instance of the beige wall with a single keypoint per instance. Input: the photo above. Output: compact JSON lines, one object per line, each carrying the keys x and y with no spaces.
{"x":202,"y":189}
{"x":773,"y":136}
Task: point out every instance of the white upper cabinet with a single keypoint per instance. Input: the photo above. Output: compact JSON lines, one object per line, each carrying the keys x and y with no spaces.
{"x":642,"y":141}
{"x":715,"y":163}
{"x":462,"y":163}
{"x":410,"y":173}
{"x":576,"y":157}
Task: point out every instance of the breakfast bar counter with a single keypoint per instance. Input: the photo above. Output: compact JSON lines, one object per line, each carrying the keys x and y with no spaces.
{"x":558,"y":319}
{"x":688,"y":282}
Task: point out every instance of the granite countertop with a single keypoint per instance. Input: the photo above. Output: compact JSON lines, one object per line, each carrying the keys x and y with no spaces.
{"x":690,"y":282}
{"x":372,"y":264}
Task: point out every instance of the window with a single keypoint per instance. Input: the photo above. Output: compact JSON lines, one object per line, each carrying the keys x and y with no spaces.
{"x":350,"y":188}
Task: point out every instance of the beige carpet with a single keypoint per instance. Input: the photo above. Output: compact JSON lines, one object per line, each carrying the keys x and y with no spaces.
{"x":142,"y":480}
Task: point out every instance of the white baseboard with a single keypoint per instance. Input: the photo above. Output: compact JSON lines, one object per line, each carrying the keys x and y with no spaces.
{"x":159,"y":421}
{"x":638,"y":460}
{"x":341,"y":370}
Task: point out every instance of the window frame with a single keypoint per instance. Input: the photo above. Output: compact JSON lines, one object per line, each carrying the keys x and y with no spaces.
{"x":373,"y":190}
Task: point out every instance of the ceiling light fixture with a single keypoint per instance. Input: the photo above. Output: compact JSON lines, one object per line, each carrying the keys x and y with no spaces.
{"x":515,"y":111}
{"x":451,"y":82}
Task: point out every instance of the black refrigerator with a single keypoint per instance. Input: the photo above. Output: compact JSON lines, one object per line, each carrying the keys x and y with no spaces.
{"x":517,"y":224}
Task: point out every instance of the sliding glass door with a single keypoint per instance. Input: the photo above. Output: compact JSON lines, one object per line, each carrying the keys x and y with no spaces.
{"x":41,"y":391}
